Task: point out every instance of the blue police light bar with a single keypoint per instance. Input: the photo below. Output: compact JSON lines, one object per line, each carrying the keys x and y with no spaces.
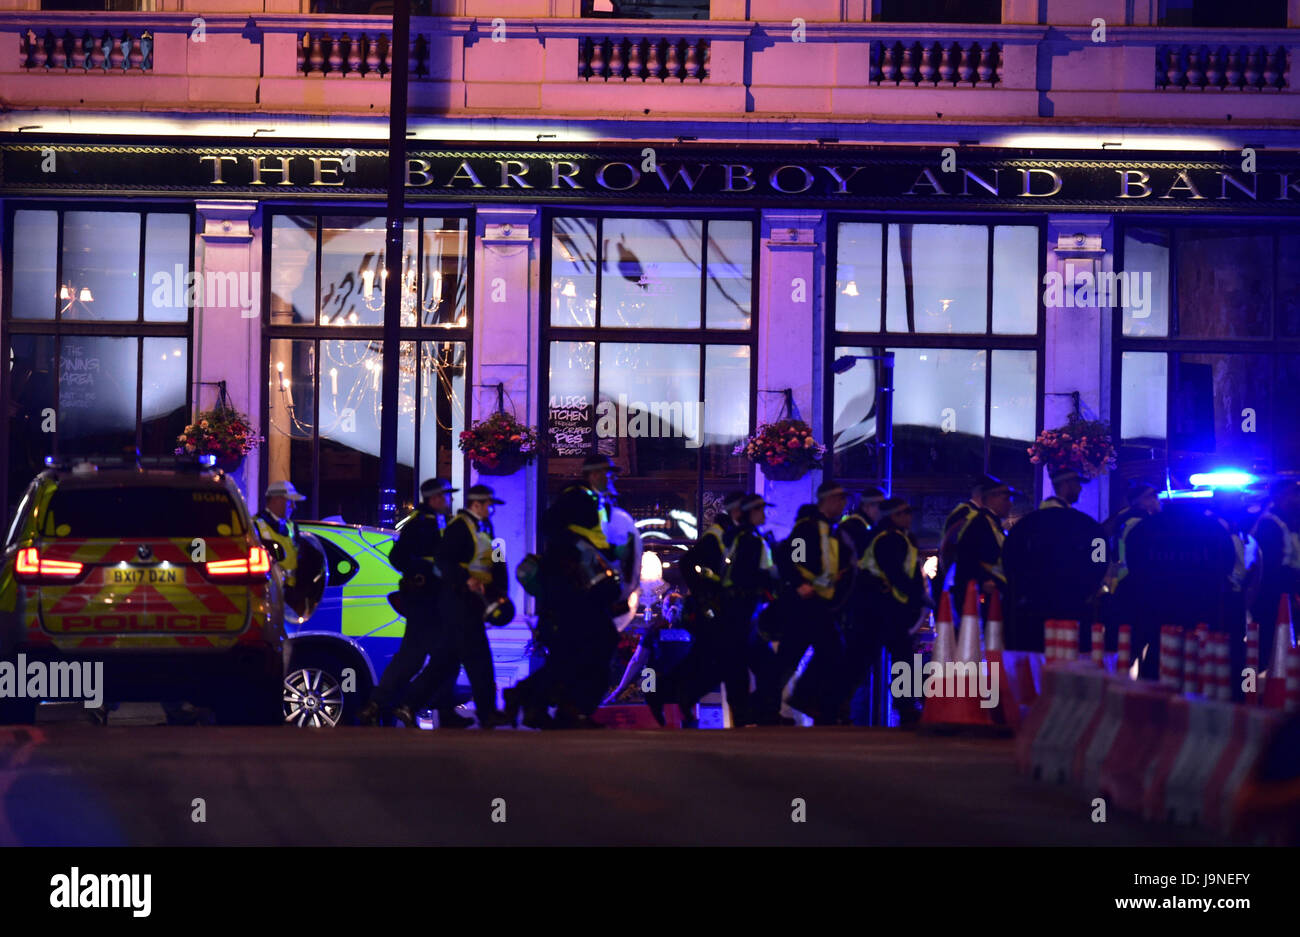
{"x":1178,"y":495}
{"x":1221,"y":479}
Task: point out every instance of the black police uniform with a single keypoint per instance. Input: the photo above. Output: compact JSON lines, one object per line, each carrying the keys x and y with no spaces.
{"x":893,"y":573}
{"x":724,"y":646}
{"x":827,"y":566}
{"x":954,"y":525}
{"x":861,"y":648}
{"x":979,"y":556}
{"x":466,"y":553}
{"x":413,"y":555}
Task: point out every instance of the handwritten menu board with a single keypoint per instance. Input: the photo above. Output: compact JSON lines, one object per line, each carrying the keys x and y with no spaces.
{"x":571,"y":428}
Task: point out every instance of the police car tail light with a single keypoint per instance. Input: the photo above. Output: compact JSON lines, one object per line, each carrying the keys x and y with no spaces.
{"x":257,"y":563}
{"x":31,"y":565}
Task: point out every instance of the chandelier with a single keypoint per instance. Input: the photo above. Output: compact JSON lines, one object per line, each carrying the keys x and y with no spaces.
{"x":412,"y":303}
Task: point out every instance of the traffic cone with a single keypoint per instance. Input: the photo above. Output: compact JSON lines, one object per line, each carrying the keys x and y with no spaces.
{"x":1011,"y":692}
{"x":945,"y":641}
{"x":1283,"y":641}
{"x":1293,"y":682}
{"x":968,"y":639}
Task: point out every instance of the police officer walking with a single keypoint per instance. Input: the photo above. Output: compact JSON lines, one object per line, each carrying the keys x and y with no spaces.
{"x":722,"y":647}
{"x":415,"y":555}
{"x":820,"y":570}
{"x":579,"y":587}
{"x":862,"y":650}
{"x":893,"y":571}
{"x":471,"y":577}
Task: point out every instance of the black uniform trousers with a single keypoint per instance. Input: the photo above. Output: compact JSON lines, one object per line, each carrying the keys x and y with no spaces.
{"x":418,"y":642}
{"x":720,"y":652}
{"x":580,"y":639}
{"x":811,"y":623}
{"x":884,"y":627}
{"x":462,"y":640}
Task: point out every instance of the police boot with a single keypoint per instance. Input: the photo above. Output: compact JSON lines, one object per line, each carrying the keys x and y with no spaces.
{"x":403,"y":716}
{"x":369,"y":715}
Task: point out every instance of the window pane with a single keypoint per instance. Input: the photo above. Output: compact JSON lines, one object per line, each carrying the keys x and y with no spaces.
{"x":293,"y":269}
{"x":97,"y":394}
{"x":405,"y":482}
{"x":1146,"y":256}
{"x":573,"y":271}
{"x":857,"y":278}
{"x":1225,"y":283}
{"x":1288,"y":284}
{"x":853,"y":447}
{"x":650,"y":275}
{"x":946,"y":267}
{"x":163,"y":410}
{"x":939,"y":413}
{"x":648,"y":393}
{"x":35,"y":246}
{"x":1143,"y":379}
{"x":1286,"y":449}
{"x":570,"y":419}
{"x":1013,"y":420}
{"x":291,"y":416}
{"x":1210,"y":392}
{"x":349,"y":429}
{"x":33,"y":396}
{"x":1015,"y":280}
{"x":353,"y":278}
{"x":166,"y":264}
{"x":101,"y":266}
{"x":729,"y":286}
{"x":442,"y":411}
{"x":726,"y":420}
{"x":445,"y":272}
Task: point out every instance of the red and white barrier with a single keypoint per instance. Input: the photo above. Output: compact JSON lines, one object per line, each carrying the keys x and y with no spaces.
{"x":1098,"y":645}
{"x":1124,"y":658}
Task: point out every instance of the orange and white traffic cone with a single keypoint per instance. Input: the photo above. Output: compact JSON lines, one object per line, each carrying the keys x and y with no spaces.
{"x":1012,"y":692}
{"x":1283,"y":642}
{"x":957,"y":703}
{"x":969,"y":646}
{"x":945,"y":639}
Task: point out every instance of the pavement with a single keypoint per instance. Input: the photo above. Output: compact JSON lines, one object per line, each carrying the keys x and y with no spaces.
{"x":69,"y":782}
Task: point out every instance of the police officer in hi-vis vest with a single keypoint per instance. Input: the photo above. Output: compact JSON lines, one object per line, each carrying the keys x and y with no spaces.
{"x":414,"y":555}
{"x":979,"y":549}
{"x":472,"y":576}
{"x":274,"y":526}
{"x":893,"y":570}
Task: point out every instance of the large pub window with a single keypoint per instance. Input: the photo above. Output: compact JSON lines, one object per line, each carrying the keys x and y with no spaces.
{"x":1208,"y":349}
{"x":324,"y":357}
{"x":937,"y":11}
{"x":97,"y":333}
{"x":650,"y":360}
{"x":958,"y":305}
{"x":1219,"y":14}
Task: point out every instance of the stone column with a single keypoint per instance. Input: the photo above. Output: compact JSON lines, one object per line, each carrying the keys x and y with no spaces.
{"x":1078,"y":340}
{"x":227,"y":337}
{"x":506,"y":351}
{"x":791,"y":323}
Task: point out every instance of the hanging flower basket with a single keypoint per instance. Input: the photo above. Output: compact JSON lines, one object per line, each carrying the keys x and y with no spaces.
{"x":223,"y":432}
{"x":1082,"y":445}
{"x":786,"y":449}
{"x":499,"y":445}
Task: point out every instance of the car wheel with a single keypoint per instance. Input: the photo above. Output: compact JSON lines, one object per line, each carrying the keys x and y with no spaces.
{"x":17,"y":712}
{"x":313,"y":691}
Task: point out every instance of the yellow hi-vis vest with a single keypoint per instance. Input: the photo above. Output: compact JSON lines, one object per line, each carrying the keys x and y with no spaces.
{"x":290,"y":562}
{"x":872,"y":566}
{"x":764,"y":556}
{"x":715,"y":531}
{"x":479,"y":566}
{"x":823,"y":583}
{"x":594,"y":535}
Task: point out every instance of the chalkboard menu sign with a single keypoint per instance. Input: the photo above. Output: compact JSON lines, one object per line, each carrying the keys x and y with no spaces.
{"x":570,"y":425}
{"x":571,"y":429}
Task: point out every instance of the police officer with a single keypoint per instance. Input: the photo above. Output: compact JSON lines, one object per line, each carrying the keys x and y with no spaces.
{"x":471,"y":577}
{"x":1068,"y":487}
{"x":954,"y":525}
{"x":722,"y":647}
{"x":275,"y":527}
{"x":1143,"y":501}
{"x":1278,"y":534}
{"x":575,"y":626}
{"x":979,"y":548}
{"x":893,"y":571}
{"x":861,"y":649}
{"x":703,"y":567}
{"x":820,"y":567}
{"x":414,"y":555}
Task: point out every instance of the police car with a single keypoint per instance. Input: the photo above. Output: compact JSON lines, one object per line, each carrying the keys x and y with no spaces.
{"x":154,"y":572}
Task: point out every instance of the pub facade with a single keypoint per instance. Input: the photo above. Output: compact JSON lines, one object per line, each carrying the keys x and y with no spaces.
{"x":685,"y":227}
